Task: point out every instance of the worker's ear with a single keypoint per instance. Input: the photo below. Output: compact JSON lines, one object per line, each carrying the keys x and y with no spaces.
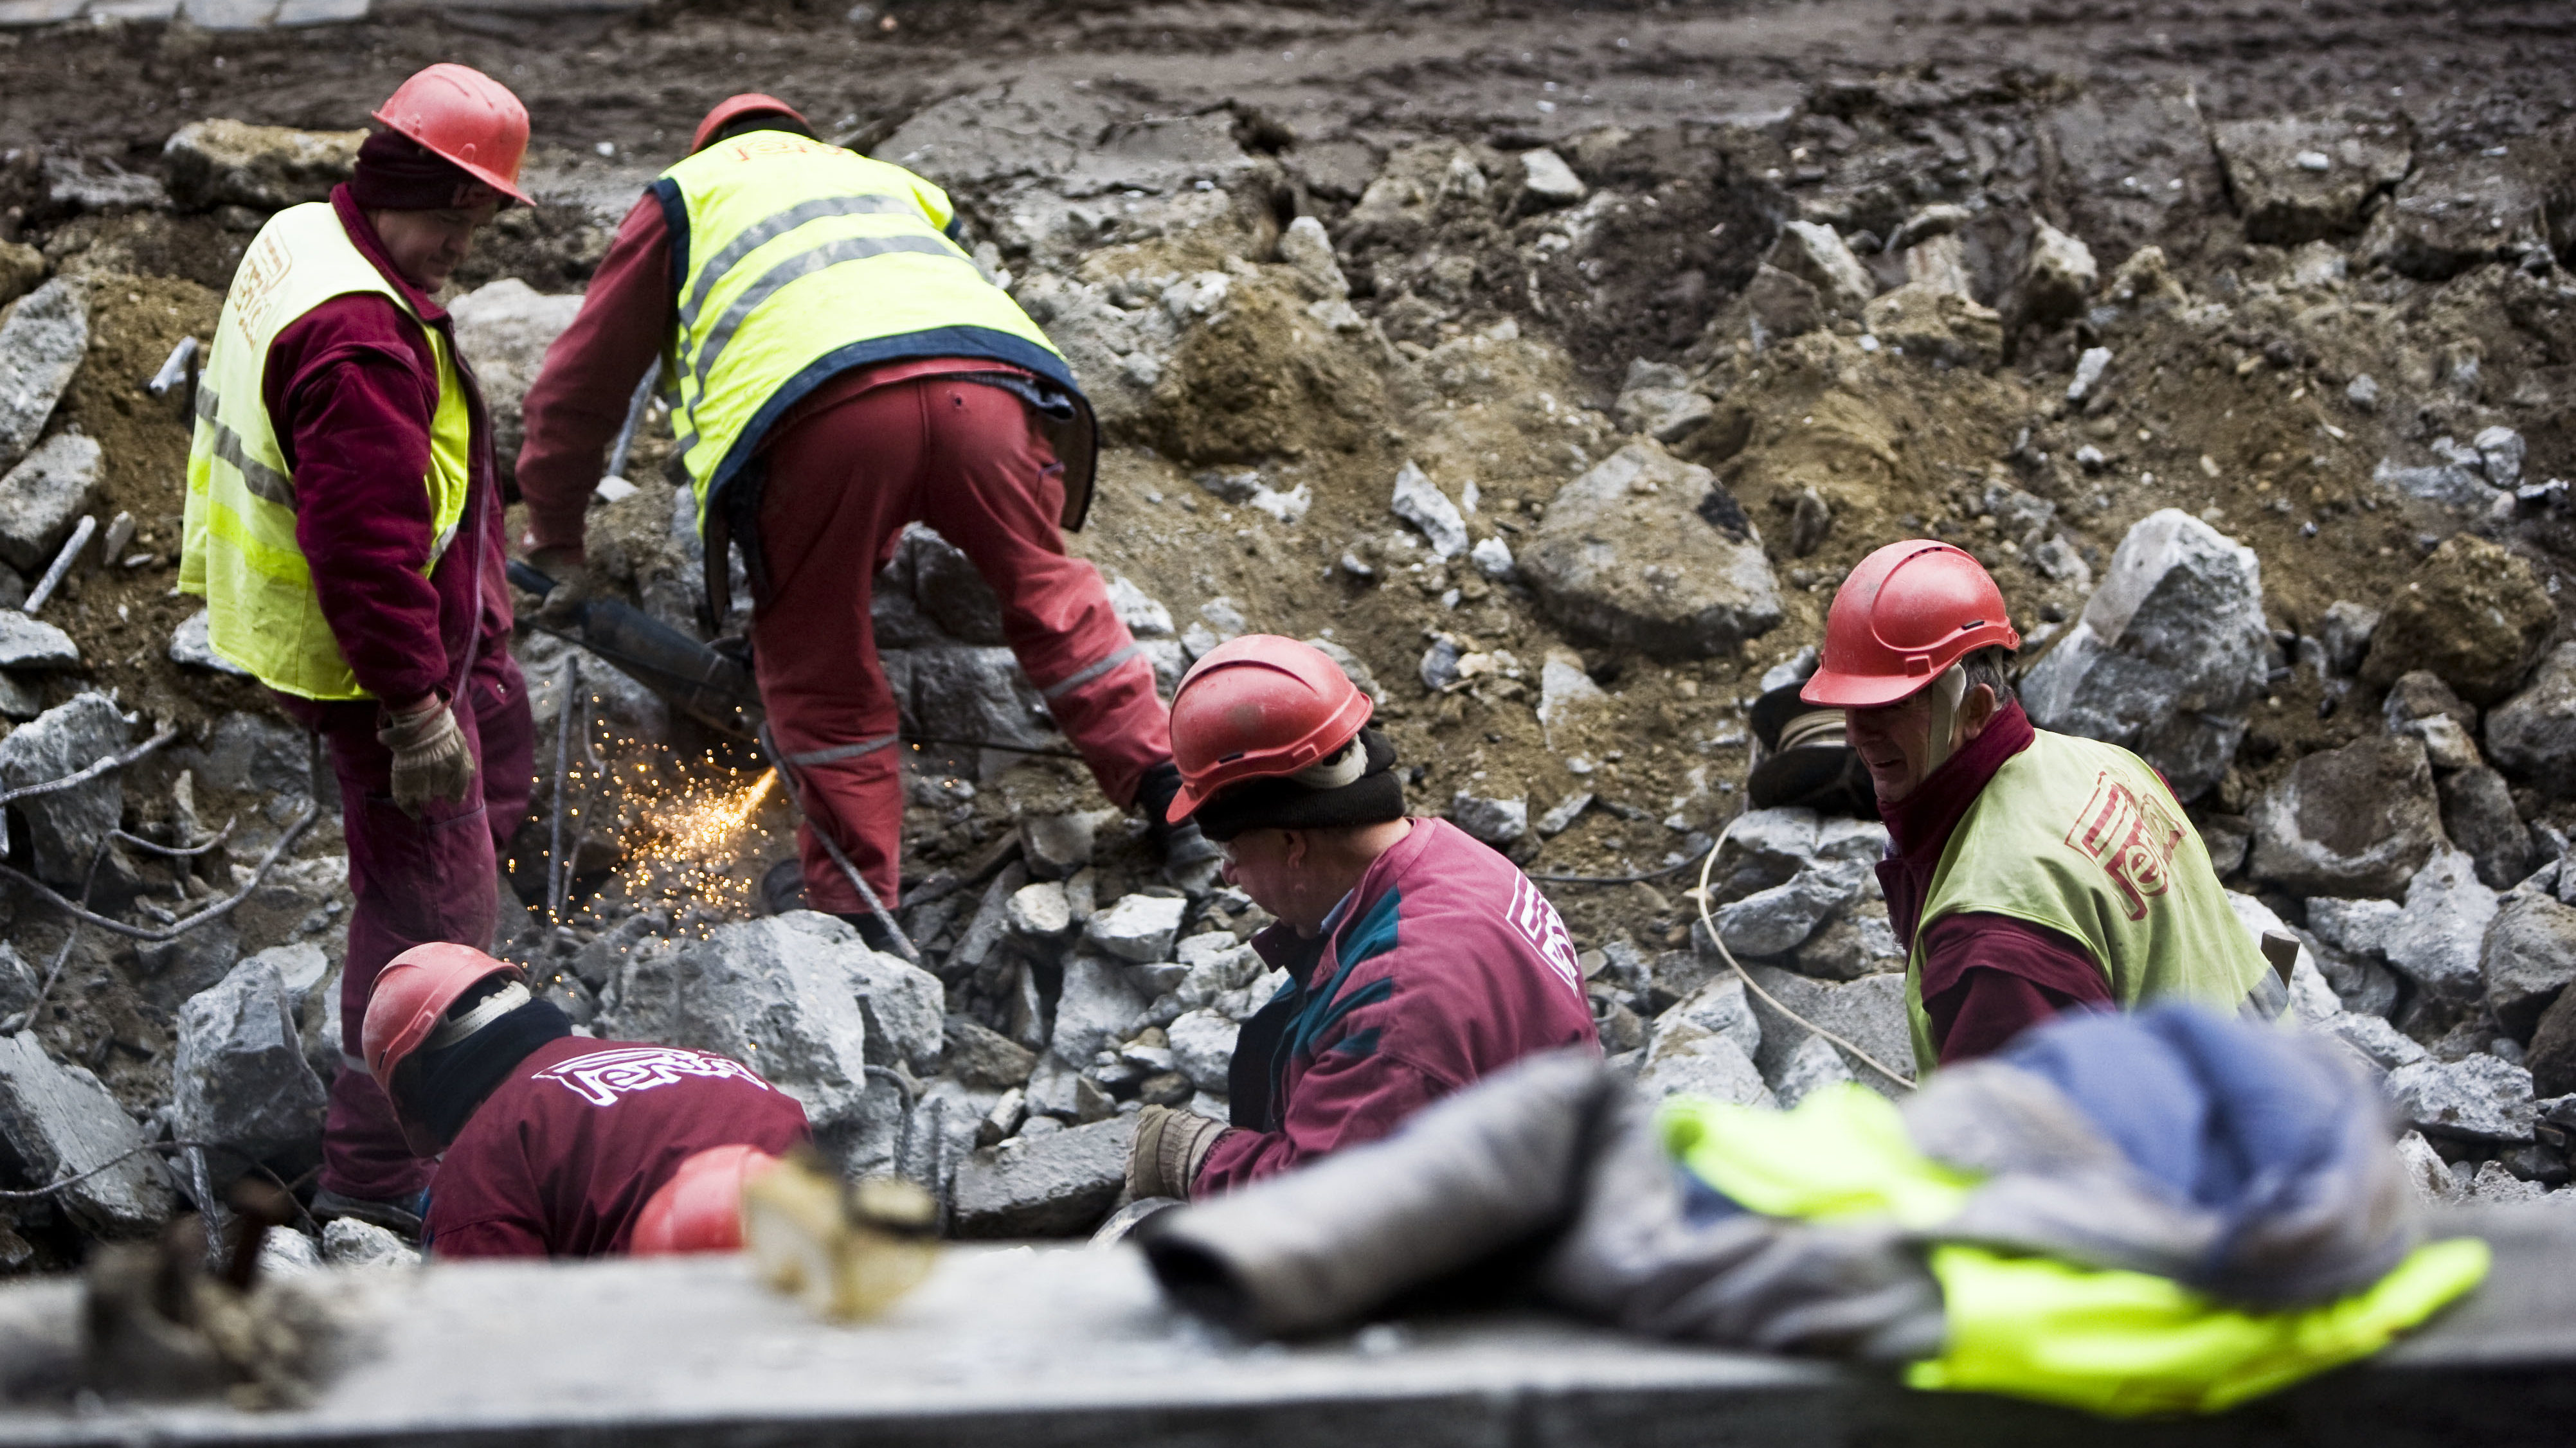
{"x":1294,"y":847}
{"x":1977,"y":710}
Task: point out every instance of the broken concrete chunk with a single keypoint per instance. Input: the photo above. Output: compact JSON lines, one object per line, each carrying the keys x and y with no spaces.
{"x":1653,"y":552}
{"x":66,"y":827}
{"x":267,"y":168}
{"x":239,"y":1077}
{"x":1495,"y":821}
{"x":903,"y":1005}
{"x":2476,"y":1098}
{"x":2533,"y":734}
{"x":2360,"y":820}
{"x":32,"y":643}
{"x":1778,"y":920}
{"x":2528,"y":959}
{"x":2346,"y":634}
{"x":41,"y":346}
{"x":1423,"y":505}
{"x":59,"y":1122}
{"x":1058,"y":1185}
{"x":1138,"y":927}
{"x":1203,"y":1048}
{"x":2441,"y":927}
{"x":43,"y":496}
{"x":2286,"y":197}
{"x":1098,"y":1007}
{"x":2059,"y":277}
{"x":1815,"y":254}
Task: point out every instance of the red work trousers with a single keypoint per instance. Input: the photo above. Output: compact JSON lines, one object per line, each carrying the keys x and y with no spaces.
{"x":414,"y":881}
{"x":968,"y":460}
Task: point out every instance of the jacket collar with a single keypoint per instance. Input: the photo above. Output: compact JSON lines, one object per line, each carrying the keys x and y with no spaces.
{"x":1922,"y":822}
{"x":1282,"y":948}
{"x":362,"y":234}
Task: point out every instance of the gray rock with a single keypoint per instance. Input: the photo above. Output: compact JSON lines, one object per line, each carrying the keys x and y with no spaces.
{"x":971,"y":696}
{"x":19,"y":982}
{"x":2464,"y":207}
{"x":1710,"y":1066}
{"x":301,"y":968}
{"x":41,"y":346}
{"x":2089,"y":368}
{"x":905,"y":1008}
{"x":1779,"y":305}
{"x":991,"y":921}
{"x":2500,"y":452}
{"x":348,"y":1242}
{"x":2528,"y":959}
{"x":2441,"y":930}
{"x":2478,"y":815}
{"x":1778,"y":920}
{"x":1718,"y":1008}
{"x":2473,"y":613}
{"x":1144,"y":617}
{"x":2382,"y":1044}
{"x":66,"y":828}
{"x":2346,"y":632}
{"x":1059,"y":1185}
{"x":1098,"y":1008}
{"x":1815,"y":254}
{"x":1495,"y":821}
{"x":2494,"y":1183}
{"x":949,"y":590}
{"x":984,"y":1058}
{"x":267,"y":168}
{"x":504,"y":328}
{"x":2285,"y":202}
{"x":2428,"y":1177}
{"x":2060,"y":275}
{"x":1306,"y":246}
{"x":191,"y":648}
{"x":2169,"y":655}
{"x":2532,"y":735}
{"x":1652,"y":552}
{"x":1040,"y":912}
{"x":779,"y":994}
{"x":59,"y":1121}
{"x":1938,"y":323}
{"x":1658,"y":401}
{"x":2476,"y":1098}
{"x":32,"y":643}
{"x":1419,"y":502}
{"x":1868,"y":1012}
{"x":285,"y":1252}
{"x":1059,"y":1091}
{"x":1056,"y":845}
{"x":1860,"y":941}
{"x":43,"y":496}
{"x":2360,"y":820}
{"x":1814,"y":1066}
{"x":1139,"y":927}
{"x":1203,"y":1048}
{"x":1547,"y":179}
{"x":1561,"y":815}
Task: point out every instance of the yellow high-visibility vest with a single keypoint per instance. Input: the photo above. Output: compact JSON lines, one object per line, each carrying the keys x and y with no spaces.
{"x":796,"y":261}
{"x":237,"y":547}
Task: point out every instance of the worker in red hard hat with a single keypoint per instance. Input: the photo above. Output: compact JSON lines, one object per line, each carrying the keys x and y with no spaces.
{"x":555,"y":1145}
{"x":840,"y":368}
{"x":343,"y":525}
{"x":2028,"y":873}
{"x":1419,"y":959}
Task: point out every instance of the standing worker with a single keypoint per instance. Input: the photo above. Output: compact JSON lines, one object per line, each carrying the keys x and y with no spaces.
{"x":842,"y":369}
{"x":344,"y":529}
{"x":2028,"y":873}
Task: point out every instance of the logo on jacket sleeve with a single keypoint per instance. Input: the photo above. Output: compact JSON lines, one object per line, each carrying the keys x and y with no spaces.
{"x":2132,"y":836}
{"x":1537,"y":922}
{"x":601,"y":1077}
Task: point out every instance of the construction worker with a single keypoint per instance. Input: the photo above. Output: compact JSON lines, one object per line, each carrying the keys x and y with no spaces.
{"x":843,"y":369}
{"x":555,"y":1144}
{"x":2029,"y":873}
{"x":1419,"y":959}
{"x":343,"y":527}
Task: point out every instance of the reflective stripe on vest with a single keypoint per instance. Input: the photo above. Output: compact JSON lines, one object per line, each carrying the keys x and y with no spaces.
{"x":801,"y":260}
{"x":2084,"y":838}
{"x":237,"y":548}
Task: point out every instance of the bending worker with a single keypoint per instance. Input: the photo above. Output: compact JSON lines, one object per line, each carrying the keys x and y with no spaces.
{"x":2028,"y":873}
{"x":1419,"y":959}
{"x":555,"y":1145}
{"x":344,"y":530}
{"x":843,"y":369}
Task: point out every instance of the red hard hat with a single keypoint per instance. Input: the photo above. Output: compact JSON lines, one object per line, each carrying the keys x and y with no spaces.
{"x":700,"y":1208}
{"x":466,"y":117}
{"x":734,"y":108}
{"x":1903,"y":617}
{"x":1255,"y":708}
{"x":411,"y":994}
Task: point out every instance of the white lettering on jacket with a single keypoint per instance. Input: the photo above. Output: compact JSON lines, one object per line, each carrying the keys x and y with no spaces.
{"x":602,"y":1076}
{"x":1537,"y":922}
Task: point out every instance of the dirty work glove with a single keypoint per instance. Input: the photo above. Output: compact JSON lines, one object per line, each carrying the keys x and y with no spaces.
{"x":1164,"y":1156}
{"x":562,"y":606}
{"x":430,"y":757}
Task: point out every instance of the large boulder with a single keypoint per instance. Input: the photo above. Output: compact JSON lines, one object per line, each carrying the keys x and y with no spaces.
{"x":59,"y":1121}
{"x":2472,"y":613}
{"x":1653,"y":552}
{"x":44,"y":496}
{"x":267,"y":168}
{"x":1057,"y":1185}
{"x":1097,"y":1008}
{"x":41,"y":345}
{"x":2169,"y":654}
{"x":2476,"y":1098}
{"x":2302,"y":178}
{"x":2533,"y":734}
{"x":66,"y":828}
{"x":240,"y":1078}
{"x":968,"y":696}
{"x":2360,"y":820}
{"x":2528,"y":959}
{"x":504,"y":328}
{"x":1778,"y":920}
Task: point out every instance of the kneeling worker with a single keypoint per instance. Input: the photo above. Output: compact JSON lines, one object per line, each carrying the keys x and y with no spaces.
{"x":2028,"y":873}
{"x":1419,"y":958}
{"x":556,"y":1145}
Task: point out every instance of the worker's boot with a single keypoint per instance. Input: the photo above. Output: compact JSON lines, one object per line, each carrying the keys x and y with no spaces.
{"x":872,"y":931}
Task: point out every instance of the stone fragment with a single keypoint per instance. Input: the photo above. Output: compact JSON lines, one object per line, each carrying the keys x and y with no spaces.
{"x":2532,"y":735}
{"x":59,"y":1121}
{"x":984,"y":1058}
{"x":190,"y":646}
{"x":1938,"y":324}
{"x":504,"y":328}
{"x":2478,"y":815}
{"x":43,"y":496}
{"x":1306,"y":246}
{"x":904,"y":1006}
{"x":1495,"y":821}
{"x":1493,"y":558}
{"x":67,"y":827}
{"x":1780,"y":305}
{"x":1718,"y":1008}
{"x":2494,"y":1183}
{"x":2060,"y":275}
{"x":1941,"y":263}
{"x":2419,"y":703}
{"x":1059,"y":1185}
{"x":2472,"y":613}
{"x":2360,"y":820}
{"x":2168,"y":656}
{"x":1546,"y":178}
{"x":2500,"y":452}
{"x":1059,"y":1091}
{"x":1814,"y":253}
{"x":2428,"y":1177}
{"x":21,"y":268}
{"x":1419,"y":502}
{"x":2286,"y":200}
{"x":1056,"y":845}
{"x":1138,"y":927}
{"x":1658,"y":401}
{"x":2439,"y":933}
{"x":2468,"y":206}
{"x":1652,"y":552}
{"x":1040,"y":911}
{"x":42,"y":342}
{"x":266,"y":168}
{"x":1778,"y":920}
{"x":1097,"y":1008}
{"x":2476,"y":1098}
{"x":32,"y":643}
{"x":1202,"y":1045}
{"x":2382,"y":1044}
{"x":1814,"y":1066}
{"x":2551,"y":1052}
{"x":348,"y":1242}
{"x":285,"y":1252}
{"x":2528,"y":959}
{"x":239,"y":1076}
{"x":1713,"y":1067}
{"x":1857,"y":942}
{"x":1568,"y":700}
{"x":1868,"y":1012}
{"x":970,"y":696}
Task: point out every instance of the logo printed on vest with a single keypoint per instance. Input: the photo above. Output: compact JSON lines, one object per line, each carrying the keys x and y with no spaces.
{"x":255,"y":285}
{"x":2132,"y":837}
{"x":1537,"y":922}
{"x":602,"y":1076}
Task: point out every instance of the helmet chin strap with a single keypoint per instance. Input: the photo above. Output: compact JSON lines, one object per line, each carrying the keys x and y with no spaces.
{"x":1946,"y":692}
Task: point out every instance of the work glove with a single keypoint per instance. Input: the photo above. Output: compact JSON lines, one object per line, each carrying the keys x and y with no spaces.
{"x":561,"y":608}
{"x":431,"y":760}
{"x":1165,"y":1154}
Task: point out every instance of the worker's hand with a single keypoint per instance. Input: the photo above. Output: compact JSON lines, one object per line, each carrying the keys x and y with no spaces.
{"x":431,"y":760}
{"x":1169,"y":1147}
{"x":563,"y":603}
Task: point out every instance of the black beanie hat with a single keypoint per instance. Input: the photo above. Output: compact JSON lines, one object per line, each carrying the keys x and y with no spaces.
{"x":1281,"y":803}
